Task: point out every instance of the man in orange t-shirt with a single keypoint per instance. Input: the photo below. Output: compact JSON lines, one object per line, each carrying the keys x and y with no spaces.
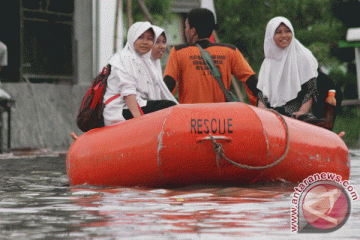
{"x":187,"y":71}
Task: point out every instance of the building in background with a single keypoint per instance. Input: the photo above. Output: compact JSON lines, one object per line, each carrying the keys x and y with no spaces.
{"x":55,"y":49}
{"x":69,"y":41}
{"x":53,"y":41}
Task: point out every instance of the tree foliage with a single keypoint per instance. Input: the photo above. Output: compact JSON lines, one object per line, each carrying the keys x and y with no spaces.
{"x":347,"y":11}
{"x":318,"y":24}
{"x":243,"y":24}
{"x":159,"y":10}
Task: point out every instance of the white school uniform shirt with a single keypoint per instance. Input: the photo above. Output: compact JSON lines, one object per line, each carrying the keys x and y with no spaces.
{"x":284,"y":70}
{"x":131,"y":73}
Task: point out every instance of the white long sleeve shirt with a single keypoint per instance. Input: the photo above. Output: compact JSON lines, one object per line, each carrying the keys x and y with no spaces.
{"x":132,"y":73}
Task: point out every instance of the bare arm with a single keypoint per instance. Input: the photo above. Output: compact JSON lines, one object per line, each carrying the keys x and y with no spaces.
{"x":304,"y":108}
{"x":261,"y":104}
{"x":132,"y":105}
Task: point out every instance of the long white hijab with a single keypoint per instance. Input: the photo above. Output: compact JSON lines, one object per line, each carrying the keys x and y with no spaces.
{"x":149,"y":83}
{"x":157,"y":70}
{"x":135,"y":31}
{"x":130,"y":62}
{"x":284,"y":70}
{"x":158,"y":31}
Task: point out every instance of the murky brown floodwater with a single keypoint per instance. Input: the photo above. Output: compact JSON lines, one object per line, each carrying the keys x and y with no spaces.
{"x":37,"y":203}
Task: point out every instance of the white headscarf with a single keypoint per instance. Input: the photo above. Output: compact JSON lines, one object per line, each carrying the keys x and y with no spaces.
{"x":148,"y":82}
{"x":130,"y":62}
{"x":156,"y":67}
{"x":158,"y":31}
{"x":284,"y":70}
{"x":135,"y":31}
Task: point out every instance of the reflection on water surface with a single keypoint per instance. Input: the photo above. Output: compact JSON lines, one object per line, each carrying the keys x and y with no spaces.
{"x":37,"y":203}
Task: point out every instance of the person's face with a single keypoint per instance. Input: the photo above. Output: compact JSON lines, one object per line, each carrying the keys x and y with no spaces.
{"x":283,"y":36}
{"x":145,"y":42}
{"x":189,"y":33}
{"x":159,"y":47}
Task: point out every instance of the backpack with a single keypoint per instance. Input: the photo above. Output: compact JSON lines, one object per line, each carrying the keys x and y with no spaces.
{"x":90,"y":114}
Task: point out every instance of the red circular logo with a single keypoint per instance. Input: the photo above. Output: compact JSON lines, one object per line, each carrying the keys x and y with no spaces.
{"x":325,"y":206}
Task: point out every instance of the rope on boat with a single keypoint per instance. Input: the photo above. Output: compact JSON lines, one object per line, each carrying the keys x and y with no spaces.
{"x":221,"y":154}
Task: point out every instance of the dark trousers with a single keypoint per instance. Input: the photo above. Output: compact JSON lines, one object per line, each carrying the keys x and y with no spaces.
{"x":151,"y":106}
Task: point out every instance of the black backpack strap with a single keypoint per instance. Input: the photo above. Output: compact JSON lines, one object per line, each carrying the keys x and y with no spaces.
{"x":216,"y":73}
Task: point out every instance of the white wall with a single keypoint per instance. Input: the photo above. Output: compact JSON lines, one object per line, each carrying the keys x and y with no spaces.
{"x":104,"y":14}
{"x":83,"y":42}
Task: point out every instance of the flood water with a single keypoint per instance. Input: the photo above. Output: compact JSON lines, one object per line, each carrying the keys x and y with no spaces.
{"x":37,"y":203}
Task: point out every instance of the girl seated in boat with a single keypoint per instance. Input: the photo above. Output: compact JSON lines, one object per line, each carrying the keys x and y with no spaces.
{"x":287,"y":78}
{"x":135,"y":78}
{"x":288,"y":74}
{"x":157,"y":53}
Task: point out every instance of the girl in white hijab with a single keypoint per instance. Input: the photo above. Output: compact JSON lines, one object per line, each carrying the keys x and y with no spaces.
{"x":157,"y":53}
{"x":159,"y":48}
{"x":287,"y":78}
{"x":133,"y":85}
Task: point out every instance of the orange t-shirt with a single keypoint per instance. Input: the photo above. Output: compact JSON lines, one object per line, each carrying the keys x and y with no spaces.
{"x":195,"y":81}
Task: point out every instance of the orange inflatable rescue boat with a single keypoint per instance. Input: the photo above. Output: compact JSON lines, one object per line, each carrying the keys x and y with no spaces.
{"x":218,"y":143}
